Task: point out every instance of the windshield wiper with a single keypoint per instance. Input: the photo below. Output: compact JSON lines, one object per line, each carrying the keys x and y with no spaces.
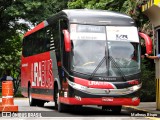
{"x":117,"y":66}
{"x":98,"y":66}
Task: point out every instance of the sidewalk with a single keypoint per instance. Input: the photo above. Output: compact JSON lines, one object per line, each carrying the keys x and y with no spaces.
{"x":145,"y":107}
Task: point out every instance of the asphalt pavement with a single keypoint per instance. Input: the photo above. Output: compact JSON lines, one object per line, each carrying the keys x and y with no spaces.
{"x":145,"y":110}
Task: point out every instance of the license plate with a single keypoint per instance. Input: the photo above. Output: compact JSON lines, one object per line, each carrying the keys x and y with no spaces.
{"x":106,"y":99}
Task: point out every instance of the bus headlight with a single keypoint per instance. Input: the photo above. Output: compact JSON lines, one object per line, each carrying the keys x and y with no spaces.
{"x":135,"y":87}
{"x":134,"y":99}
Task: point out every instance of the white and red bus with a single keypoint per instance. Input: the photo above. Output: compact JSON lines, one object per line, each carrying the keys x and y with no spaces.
{"x":83,"y":57}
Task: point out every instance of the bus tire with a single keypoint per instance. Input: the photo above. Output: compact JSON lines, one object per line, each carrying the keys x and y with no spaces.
{"x":59,"y":106}
{"x":32,"y":101}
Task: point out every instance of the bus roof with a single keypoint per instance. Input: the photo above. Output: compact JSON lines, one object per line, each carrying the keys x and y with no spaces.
{"x":88,"y":16}
{"x":99,"y":17}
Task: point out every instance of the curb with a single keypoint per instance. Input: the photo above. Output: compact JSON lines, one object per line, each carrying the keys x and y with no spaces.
{"x":143,"y":111}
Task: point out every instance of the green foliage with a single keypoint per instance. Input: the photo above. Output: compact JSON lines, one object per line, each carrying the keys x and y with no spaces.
{"x":148,"y":91}
{"x":10,"y":55}
{"x":11,"y":30}
{"x":97,"y":4}
{"x":129,"y":7}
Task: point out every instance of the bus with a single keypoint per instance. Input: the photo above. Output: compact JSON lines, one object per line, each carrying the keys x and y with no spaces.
{"x":83,"y":57}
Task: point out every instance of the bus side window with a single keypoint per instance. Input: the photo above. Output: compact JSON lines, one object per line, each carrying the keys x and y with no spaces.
{"x":27,"y":49}
{"x":24,"y":50}
{"x":54,"y":38}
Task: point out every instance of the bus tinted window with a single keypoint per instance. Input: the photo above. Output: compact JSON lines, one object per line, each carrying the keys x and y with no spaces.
{"x":41,"y":41}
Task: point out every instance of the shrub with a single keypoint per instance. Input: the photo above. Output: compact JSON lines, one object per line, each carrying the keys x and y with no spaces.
{"x":148,"y":91}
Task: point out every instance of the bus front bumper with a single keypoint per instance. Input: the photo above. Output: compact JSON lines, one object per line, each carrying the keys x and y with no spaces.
{"x":100,"y":101}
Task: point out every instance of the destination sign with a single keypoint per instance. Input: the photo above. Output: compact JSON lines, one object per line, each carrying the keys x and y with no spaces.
{"x":88,"y":36}
{"x":118,"y":33}
{"x":88,"y":28}
{"x":91,"y":28}
{"x":87,"y":32}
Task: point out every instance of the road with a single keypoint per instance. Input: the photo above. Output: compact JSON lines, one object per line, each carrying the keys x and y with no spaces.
{"x":48,"y":112}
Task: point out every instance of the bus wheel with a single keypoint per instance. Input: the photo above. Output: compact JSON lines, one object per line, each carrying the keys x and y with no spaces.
{"x":32,"y":101}
{"x":59,"y":106}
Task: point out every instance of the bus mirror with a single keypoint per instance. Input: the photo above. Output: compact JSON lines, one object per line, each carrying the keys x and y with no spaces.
{"x":148,"y":42}
{"x":67,"y":41}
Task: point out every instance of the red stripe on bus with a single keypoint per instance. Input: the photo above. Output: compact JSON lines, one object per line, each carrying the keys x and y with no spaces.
{"x":100,"y":101}
{"x":94,"y":84}
{"x":38,"y":27}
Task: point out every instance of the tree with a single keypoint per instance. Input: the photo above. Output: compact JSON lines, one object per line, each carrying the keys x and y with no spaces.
{"x":11,"y":29}
{"x":129,"y":7}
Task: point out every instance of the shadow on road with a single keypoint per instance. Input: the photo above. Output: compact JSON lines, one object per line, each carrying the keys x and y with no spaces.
{"x":89,"y":111}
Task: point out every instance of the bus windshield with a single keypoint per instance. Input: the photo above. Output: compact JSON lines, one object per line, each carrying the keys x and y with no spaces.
{"x":126,"y":56}
{"x":92,"y":48}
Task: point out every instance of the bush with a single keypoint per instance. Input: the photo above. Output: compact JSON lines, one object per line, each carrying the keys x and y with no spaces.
{"x":148,"y":91}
